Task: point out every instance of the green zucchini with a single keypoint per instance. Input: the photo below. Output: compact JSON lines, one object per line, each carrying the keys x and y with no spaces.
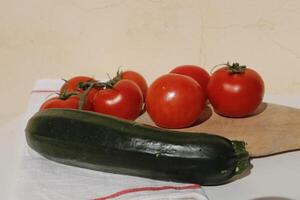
{"x":100,"y":142}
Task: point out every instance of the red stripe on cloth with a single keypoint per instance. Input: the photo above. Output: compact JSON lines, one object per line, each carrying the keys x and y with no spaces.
{"x":44,"y":91}
{"x":143,"y":189}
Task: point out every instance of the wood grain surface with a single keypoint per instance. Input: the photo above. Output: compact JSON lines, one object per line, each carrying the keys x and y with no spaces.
{"x":271,"y":130}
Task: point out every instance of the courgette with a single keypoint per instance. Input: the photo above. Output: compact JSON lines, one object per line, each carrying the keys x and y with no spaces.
{"x":100,"y":142}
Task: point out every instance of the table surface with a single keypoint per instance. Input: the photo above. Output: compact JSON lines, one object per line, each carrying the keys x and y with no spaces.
{"x":274,"y":177}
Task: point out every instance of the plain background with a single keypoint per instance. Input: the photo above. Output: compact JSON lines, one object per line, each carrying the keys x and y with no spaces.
{"x":61,"y":39}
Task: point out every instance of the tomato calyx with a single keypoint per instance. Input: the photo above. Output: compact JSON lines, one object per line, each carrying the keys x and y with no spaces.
{"x":101,"y":85}
{"x":236,"y":68}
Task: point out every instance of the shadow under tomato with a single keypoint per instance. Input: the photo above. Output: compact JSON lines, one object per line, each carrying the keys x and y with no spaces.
{"x":261,"y":108}
{"x":206,"y":114}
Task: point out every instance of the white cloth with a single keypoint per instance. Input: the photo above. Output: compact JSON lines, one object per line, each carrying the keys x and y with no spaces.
{"x":40,"y":179}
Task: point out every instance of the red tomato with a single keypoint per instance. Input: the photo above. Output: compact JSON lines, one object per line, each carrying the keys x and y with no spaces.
{"x":124,"y":100}
{"x":174,"y":101}
{"x":195,"y":72}
{"x":72,"y":84}
{"x":235,"y":91}
{"x":70,"y":103}
{"x":138,"y":79}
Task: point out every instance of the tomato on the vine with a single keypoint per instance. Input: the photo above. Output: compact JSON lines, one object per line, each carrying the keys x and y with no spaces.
{"x":138,"y":79}
{"x":124,"y":100}
{"x":71,"y":102}
{"x":196,"y":72}
{"x":75,"y":84}
{"x":175,"y":101}
{"x":235,"y":90}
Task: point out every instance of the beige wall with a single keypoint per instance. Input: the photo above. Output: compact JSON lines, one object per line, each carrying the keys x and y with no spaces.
{"x":63,"y":38}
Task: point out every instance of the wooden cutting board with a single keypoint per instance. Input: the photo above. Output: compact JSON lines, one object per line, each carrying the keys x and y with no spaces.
{"x":271,"y":130}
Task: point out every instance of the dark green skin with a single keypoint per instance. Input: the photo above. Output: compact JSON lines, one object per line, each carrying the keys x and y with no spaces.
{"x":105,"y":143}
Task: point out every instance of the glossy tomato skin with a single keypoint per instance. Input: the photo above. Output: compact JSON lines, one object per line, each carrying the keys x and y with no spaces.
{"x":138,"y":79}
{"x":235,"y":94}
{"x":71,"y":85}
{"x":174,"y":101}
{"x":69,"y":103}
{"x":196,"y":72}
{"x":124,"y":100}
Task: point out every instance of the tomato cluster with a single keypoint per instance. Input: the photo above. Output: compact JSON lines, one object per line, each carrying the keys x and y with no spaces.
{"x":173,"y":100}
{"x":123,"y":96}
